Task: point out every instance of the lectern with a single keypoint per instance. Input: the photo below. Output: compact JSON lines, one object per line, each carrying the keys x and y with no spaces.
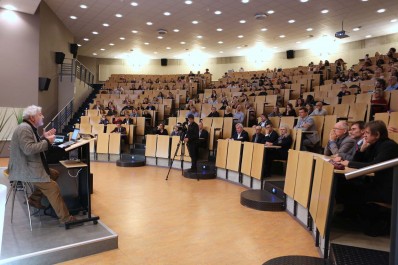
{"x":83,"y":166}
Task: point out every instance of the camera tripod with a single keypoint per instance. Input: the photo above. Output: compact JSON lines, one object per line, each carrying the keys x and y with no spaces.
{"x":180,"y":143}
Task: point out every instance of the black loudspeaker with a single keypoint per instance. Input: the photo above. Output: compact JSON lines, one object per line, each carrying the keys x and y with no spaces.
{"x":73,"y":49}
{"x":44,"y":83}
{"x":163,"y":62}
{"x":290,"y":54}
{"x":59,"y":57}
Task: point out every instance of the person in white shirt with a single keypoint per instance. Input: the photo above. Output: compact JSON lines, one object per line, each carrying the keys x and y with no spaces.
{"x":319,"y":111}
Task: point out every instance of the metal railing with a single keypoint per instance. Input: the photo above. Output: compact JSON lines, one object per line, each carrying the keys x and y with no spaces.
{"x":74,"y":68}
{"x":62,"y":118}
{"x":394,"y":208}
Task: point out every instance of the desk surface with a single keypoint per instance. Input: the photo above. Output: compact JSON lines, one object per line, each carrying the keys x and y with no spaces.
{"x":78,"y":144}
{"x":72,"y":163}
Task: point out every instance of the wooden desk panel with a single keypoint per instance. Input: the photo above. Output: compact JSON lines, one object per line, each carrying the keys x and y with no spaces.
{"x":222,"y":150}
{"x":257,"y":161}
{"x":291,"y":172}
{"x":218,"y":122}
{"x":248,"y":155}
{"x":140,"y":126}
{"x":304,"y":178}
{"x":227,"y":128}
{"x":233,"y":155}
{"x":150,"y":149}
{"x":299,"y":139}
{"x":324,"y":198}
{"x":163,"y":146}
{"x":207,"y":122}
{"x":316,"y":186}
{"x":102,"y":143}
{"x":114,"y":143}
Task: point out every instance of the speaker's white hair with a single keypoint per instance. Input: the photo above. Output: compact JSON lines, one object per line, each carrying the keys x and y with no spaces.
{"x":30,"y":111}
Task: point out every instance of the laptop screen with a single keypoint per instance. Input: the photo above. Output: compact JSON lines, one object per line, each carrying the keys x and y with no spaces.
{"x":75,"y":134}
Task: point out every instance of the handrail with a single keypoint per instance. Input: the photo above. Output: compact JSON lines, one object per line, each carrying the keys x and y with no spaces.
{"x":372,"y":168}
{"x":62,"y":117}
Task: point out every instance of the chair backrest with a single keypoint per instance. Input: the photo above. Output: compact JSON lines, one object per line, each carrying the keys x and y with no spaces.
{"x":304,"y":178}
{"x":341,"y":110}
{"x":291,"y":172}
{"x":114,"y":143}
{"x":234,"y":155}
{"x":319,"y":121}
{"x":384,"y":116}
{"x":394,"y":100}
{"x":95,"y":120}
{"x":222,"y":151}
{"x":330,"y":121}
{"x":275,"y":121}
{"x":85,"y":128}
{"x":349,"y":99}
{"x":151,"y":142}
{"x":103,"y":143}
{"x":363,"y":98}
{"x":85,"y":119}
{"x":97,"y":128}
{"x":163,"y":146}
{"x":358,"y":112}
{"x":289,"y":121}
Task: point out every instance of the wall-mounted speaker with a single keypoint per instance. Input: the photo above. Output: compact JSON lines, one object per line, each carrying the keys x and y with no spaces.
{"x":59,"y":57}
{"x":290,"y":54}
{"x":44,"y":83}
{"x":73,"y":49}
{"x":163,"y":62}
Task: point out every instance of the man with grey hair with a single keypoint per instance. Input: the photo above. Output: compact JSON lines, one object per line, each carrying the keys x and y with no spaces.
{"x":28,"y":162}
{"x":340,"y":143}
{"x":240,"y":134}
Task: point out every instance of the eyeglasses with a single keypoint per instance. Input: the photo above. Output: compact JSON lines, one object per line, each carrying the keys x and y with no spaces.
{"x":338,"y":129}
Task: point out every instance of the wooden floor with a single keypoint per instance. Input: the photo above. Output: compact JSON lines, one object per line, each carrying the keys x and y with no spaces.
{"x":183,"y":221}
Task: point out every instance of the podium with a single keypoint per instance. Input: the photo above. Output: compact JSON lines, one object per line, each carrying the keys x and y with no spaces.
{"x":83,"y":166}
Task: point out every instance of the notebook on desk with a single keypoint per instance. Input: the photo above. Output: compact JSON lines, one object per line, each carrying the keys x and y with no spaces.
{"x":73,"y":139}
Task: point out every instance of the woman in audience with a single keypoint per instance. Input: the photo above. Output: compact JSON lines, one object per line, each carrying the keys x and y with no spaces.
{"x":160,"y":95}
{"x":285,"y":142}
{"x":111,"y":110}
{"x":161,"y":130}
{"x":126,"y":100}
{"x":228,"y":112}
{"x":359,"y":194}
{"x":381,"y":83}
{"x":275,"y":112}
{"x":289,"y":111}
{"x":310,"y":108}
{"x":310,"y":100}
{"x":264,"y":121}
{"x":300,"y":103}
{"x":343,"y":92}
{"x":104,"y":120}
{"x":170,"y":95}
{"x":213,"y":94}
{"x":378,"y":103}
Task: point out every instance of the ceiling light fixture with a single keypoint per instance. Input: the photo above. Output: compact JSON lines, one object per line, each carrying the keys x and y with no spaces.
{"x":160,"y":37}
{"x":134,"y":31}
{"x":218,"y":12}
{"x":282,"y":36}
{"x":298,"y":42}
{"x":146,"y":43}
{"x":292,"y":21}
{"x":245,"y":1}
{"x":111,"y":44}
{"x":240,"y":36}
{"x":182,"y":42}
{"x":309,"y":29}
{"x":270,"y":12}
{"x":105,"y":25}
{"x":86,"y":39}
{"x":95,"y":32}
{"x":188,"y":2}
{"x":242,"y":21}
{"x":167,"y":13}
{"x":368,"y":36}
{"x":73,"y":17}
{"x":94,"y":53}
{"x":79,"y":45}
{"x":13,"y":8}
{"x":176,"y":30}
{"x":220,"y":42}
{"x":263,"y":29}
{"x":102,"y":49}
{"x":195,"y":22}
{"x":303,"y":1}
{"x":149,"y":23}
{"x":168,"y":48}
{"x":119,"y":15}
{"x":83,"y":6}
{"x":122,"y":38}
{"x":199,"y":36}
{"x":393,"y":20}
{"x":325,"y":11}
{"x":219,"y":29}
{"x":382,"y":10}
{"x":134,"y":4}
{"x":221,"y":52}
{"x":356,"y":29}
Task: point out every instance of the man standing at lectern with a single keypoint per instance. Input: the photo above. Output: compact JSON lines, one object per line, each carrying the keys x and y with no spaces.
{"x":191,"y":138}
{"x":28,"y":162}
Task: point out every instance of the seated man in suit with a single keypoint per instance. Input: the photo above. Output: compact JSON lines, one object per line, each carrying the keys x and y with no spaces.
{"x":213,"y":112}
{"x":306,"y":123}
{"x":240,"y":134}
{"x":340,"y":143}
{"x":203,"y":136}
{"x":271,"y":136}
{"x":122,"y":130}
{"x":127,"y":120}
{"x":98,"y":106}
{"x":258,"y":137}
{"x":161,"y":130}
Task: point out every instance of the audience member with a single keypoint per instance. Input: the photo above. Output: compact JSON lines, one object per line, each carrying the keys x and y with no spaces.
{"x":306,"y":123}
{"x":239,"y":116}
{"x":228,"y":112}
{"x":340,"y":143}
{"x":192,"y":112}
{"x":270,"y":134}
{"x":264,"y":121}
{"x":203,"y":136}
{"x":275,"y":112}
{"x":392,"y":83}
{"x":240,"y":134}
{"x":161,"y":130}
{"x":127,"y":120}
{"x":214,"y":112}
{"x":289,"y":111}
{"x":378,"y":104}
{"x":258,"y":137}
{"x":319,"y":110}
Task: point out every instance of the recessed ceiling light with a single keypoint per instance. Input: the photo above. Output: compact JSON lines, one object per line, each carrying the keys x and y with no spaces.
{"x":176,"y":30}
{"x":292,"y":21}
{"x":393,"y":20}
{"x":86,"y":39}
{"x":195,"y":22}
{"x":270,"y":12}
{"x":218,"y":12}
{"x":238,"y":47}
{"x":382,"y":10}
{"x":242,"y":21}
{"x":102,"y":49}
{"x":118,"y":15}
{"x":368,"y":36}
{"x":282,"y":36}
{"x":245,"y":1}
{"x":263,"y":29}
{"x":220,"y":42}
{"x":155,"y":52}
{"x":199,"y":36}
{"x":134,"y":31}
{"x":111,"y":44}
{"x":105,"y":25}
{"x":12,"y":8}
{"x":167,"y":13}
{"x":95,"y":32}
{"x":79,"y":45}
{"x":168,"y":48}
{"x":94,"y":53}
{"x":122,"y":38}
{"x":83,"y":6}
{"x":298,"y":42}
{"x":325,"y":11}
{"x":134,"y":4}
{"x":146,"y":43}
{"x":160,"y":37}
{"x":240,"y":36}
{"x":275,"y":47}
{"x":203,"y":47}
{"x":303,"y":1}
{"x":221,"y":52}
{"x":73,"y":17}
{"x":219,"y":29}
{"x":309,"y":29}
{"x":182,"y":42}
{"x":149,"y":23}
{"x":364,"y":0}
{"x":188,"y":2}
{"x":356,"y":29}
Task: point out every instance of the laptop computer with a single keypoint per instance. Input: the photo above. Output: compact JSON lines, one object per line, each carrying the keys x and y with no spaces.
{"x":59,"y":139}
{"x":73,"y":139}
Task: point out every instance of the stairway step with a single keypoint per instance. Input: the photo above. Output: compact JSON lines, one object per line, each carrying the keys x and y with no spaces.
{"x":349,"y":255}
